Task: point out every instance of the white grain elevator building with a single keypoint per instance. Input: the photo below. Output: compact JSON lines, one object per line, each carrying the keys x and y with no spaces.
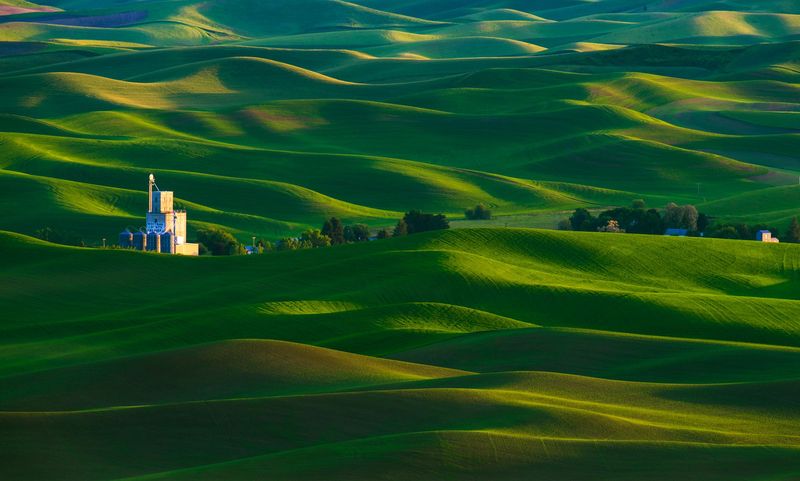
{"x":165,"y":227}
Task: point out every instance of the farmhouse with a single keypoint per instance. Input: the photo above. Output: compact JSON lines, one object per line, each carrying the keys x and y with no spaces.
{"x":766,"y":236}
{"x":165,"y":227}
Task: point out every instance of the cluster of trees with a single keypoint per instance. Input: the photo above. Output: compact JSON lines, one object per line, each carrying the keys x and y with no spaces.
{"x":339,"y":233}
{"x":334,"y":232}
{"x":638,"y":219}
{"x":415,"y":222}
{"x":218,"y":242}
{"x":479,"y":212}
{"x":310,"y":239}
{"x":749,"y":231}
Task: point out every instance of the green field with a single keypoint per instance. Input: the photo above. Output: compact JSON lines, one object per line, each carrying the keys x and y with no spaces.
{"x":513,"y":354}
{"x":492,"y":351}
{"x":366,"y":110}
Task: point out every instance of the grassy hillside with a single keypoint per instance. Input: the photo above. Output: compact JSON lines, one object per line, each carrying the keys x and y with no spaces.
{"x":182,"y":120}
{"x":492,"y":353}
{"x":488,"y":357}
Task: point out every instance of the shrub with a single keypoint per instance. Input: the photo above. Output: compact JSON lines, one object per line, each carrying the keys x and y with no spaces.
{"x":417,"y":221}
{"x":356,"y":233}
{"x":264,"y":246}
{"x":219,"y":242}
{"x":479,"y":212}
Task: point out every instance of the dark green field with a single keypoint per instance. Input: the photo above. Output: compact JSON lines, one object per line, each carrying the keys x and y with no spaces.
{"x":470,"y":354}
{"x":489,"y":352}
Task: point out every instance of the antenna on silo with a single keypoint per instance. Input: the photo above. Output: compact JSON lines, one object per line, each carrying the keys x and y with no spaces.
{"x":150,"y":183}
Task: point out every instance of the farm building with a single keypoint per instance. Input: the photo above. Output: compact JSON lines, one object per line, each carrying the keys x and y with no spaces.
{"x":766,"y":236}
{"x":165,"y":227}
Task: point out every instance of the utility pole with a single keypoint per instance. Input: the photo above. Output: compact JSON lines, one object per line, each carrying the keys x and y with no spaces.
{"x":254,"y":244}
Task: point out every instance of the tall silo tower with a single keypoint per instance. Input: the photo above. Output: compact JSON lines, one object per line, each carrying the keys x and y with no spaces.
{"x":162,"y":218}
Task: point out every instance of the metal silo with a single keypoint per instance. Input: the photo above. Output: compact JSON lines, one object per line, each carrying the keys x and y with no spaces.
{"x":153,"y":241}
{"x":166,"y":243}
{"x":126,"y":239}
{"x":139,"y":240}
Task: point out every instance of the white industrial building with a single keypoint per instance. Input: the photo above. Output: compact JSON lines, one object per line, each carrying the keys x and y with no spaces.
{"x":165,"y":227}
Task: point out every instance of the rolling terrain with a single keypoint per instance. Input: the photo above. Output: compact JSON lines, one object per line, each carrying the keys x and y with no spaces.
{"x":265,"y":119}
{"x":474,"y":353}
{"x":514,"y":354}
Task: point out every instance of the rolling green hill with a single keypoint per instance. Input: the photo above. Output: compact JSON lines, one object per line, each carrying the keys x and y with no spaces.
{"x":643,"y":121}
{"x":512,"y":351}
{"x":480,"y":354}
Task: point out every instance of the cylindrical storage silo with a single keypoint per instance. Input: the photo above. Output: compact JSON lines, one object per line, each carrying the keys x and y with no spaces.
{"x":139,"y":240}
{"x":154,"y":241}
{"x":126,"y":239}
{"x":166,"y":243}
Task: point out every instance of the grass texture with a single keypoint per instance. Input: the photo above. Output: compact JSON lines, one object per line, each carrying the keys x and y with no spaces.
{"x":506,"y":353}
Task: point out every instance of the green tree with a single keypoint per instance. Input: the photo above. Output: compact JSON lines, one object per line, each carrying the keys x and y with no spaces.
{"x":360,"y":232}
{"x":384,"y":233}
{"x":288,"y":244}
{"x":582,"y":219}
{"x":334,"y":229}
{"x":793,"y":234}
{"x":401,"y":229}
{"x":417,"y":221}
{"x":356,"y":233}
{"x":479,"y":212}
{"x":219,"y":242}
{"x":689,"y":217}
{"x":650,"y":223}
{"x":314,"y":238}
{"x":681,"y":217}
{"x":638,"y":204}
{"x":703,"y":221}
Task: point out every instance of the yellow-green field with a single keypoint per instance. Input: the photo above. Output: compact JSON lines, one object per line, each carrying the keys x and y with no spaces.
{"x":265,"y":118}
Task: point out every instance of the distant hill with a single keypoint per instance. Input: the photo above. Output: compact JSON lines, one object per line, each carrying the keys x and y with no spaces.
{"x":459,"y":103}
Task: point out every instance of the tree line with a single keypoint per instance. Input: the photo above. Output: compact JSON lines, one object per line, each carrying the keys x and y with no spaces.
{"x":333,"y":231}
{"x":638,"y":219}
